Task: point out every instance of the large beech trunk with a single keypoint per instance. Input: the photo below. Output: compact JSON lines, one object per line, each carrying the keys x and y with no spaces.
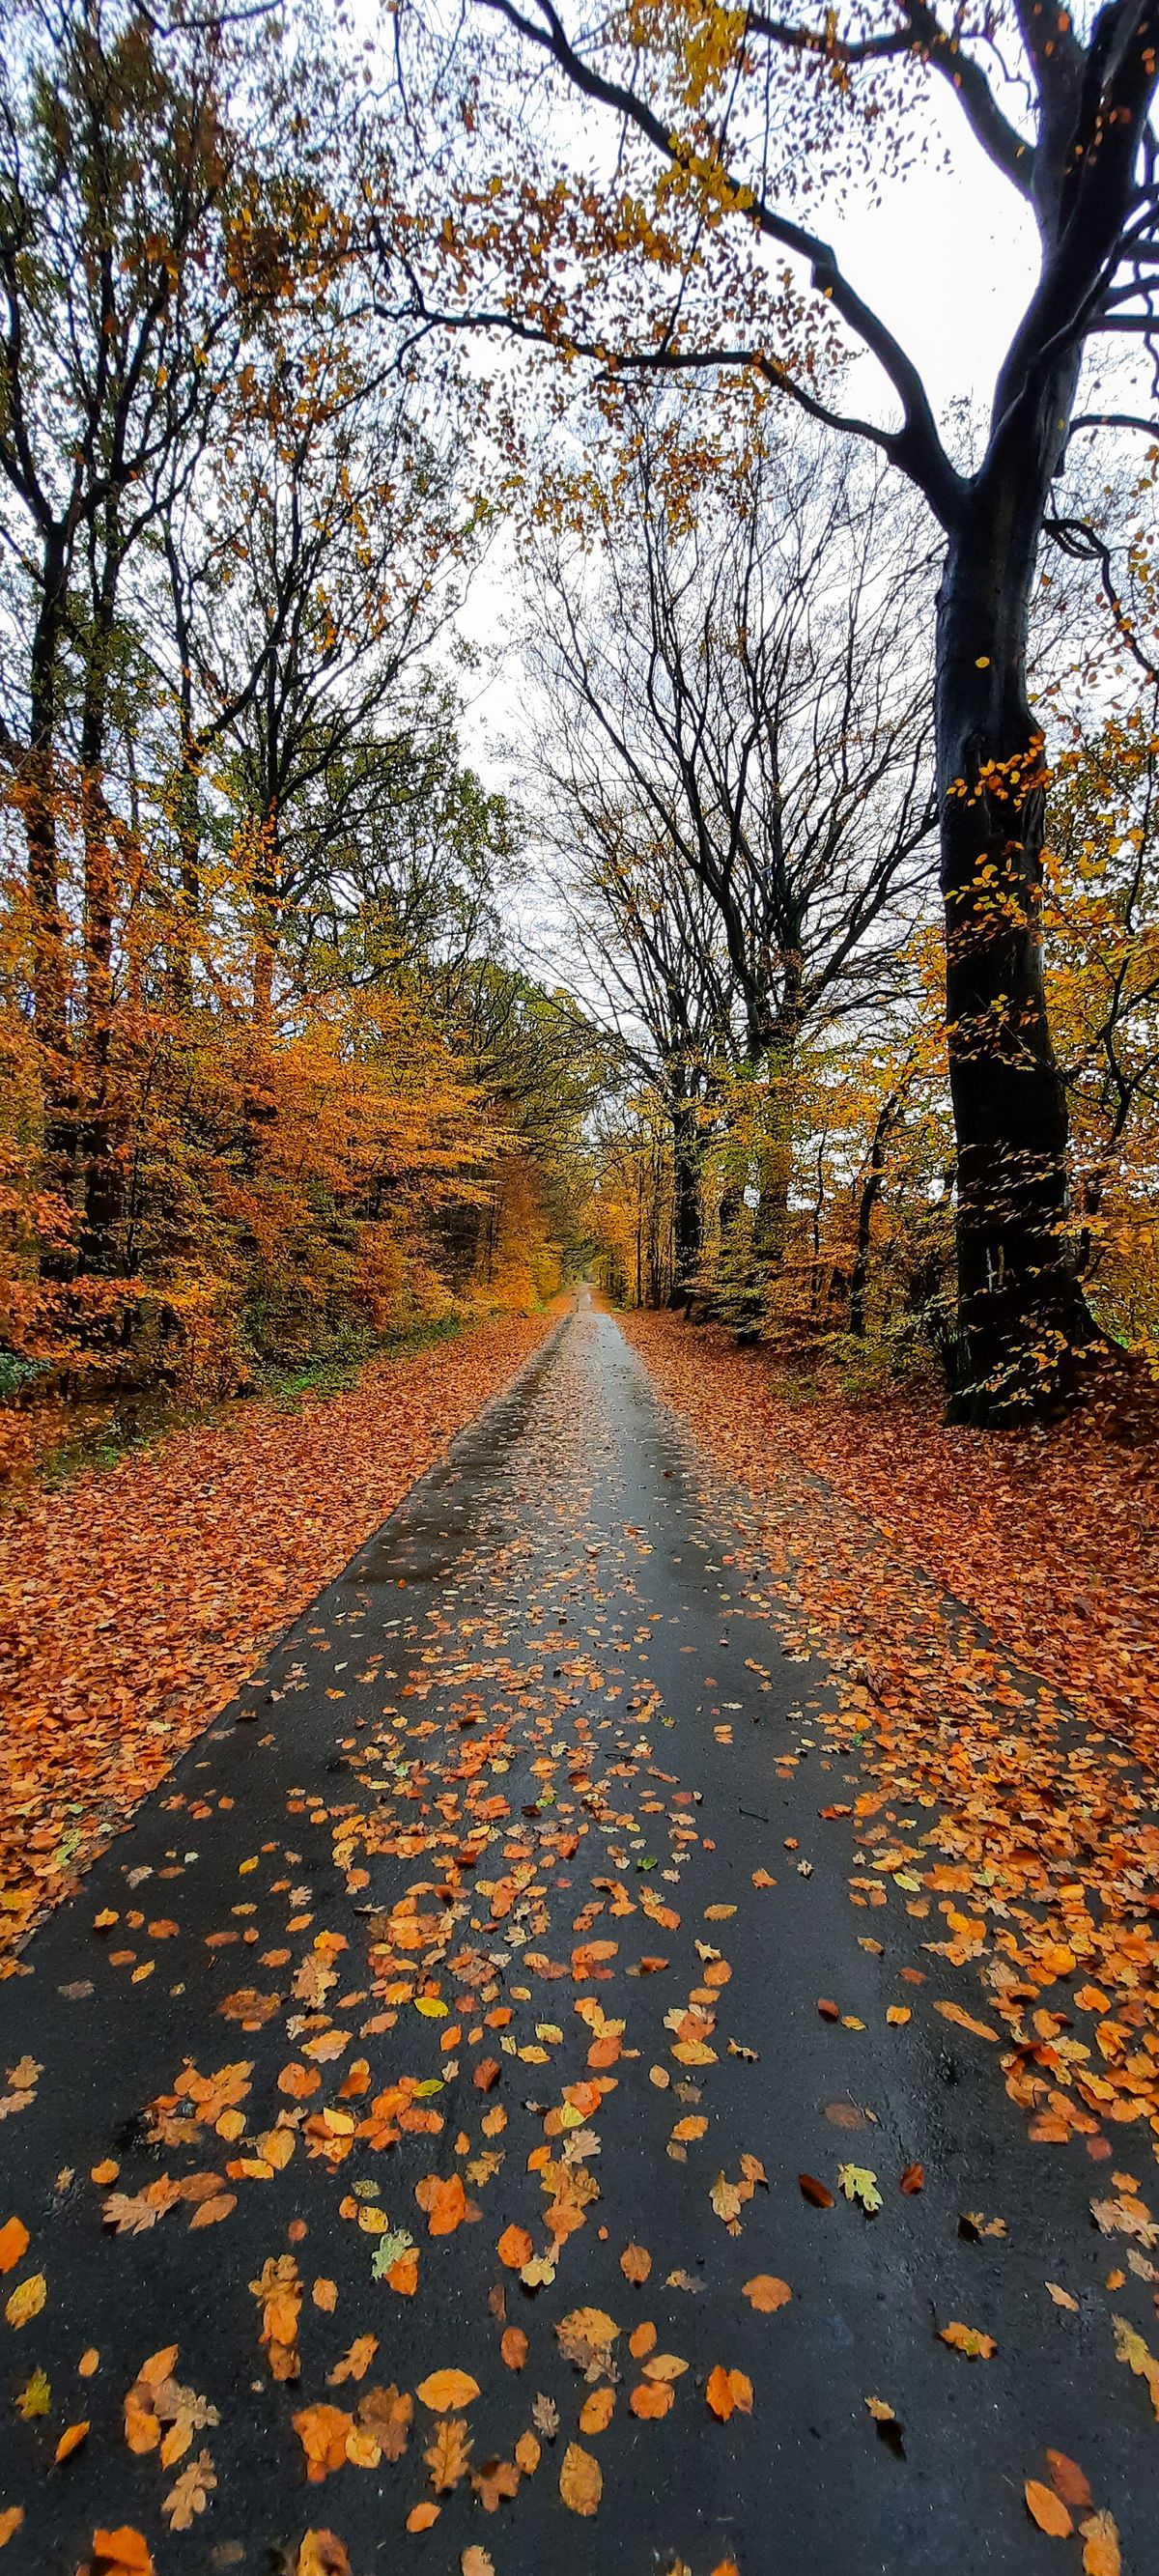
{"x":1021,"y":1315}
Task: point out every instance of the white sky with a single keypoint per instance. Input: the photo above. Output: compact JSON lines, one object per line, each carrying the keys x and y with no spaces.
{"x":948,"y":257}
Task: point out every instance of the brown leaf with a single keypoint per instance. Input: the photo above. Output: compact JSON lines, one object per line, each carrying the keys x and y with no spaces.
{"x":386,"y":2414}
{"x":1068,"y":2481}
{"x":817,"y":2193}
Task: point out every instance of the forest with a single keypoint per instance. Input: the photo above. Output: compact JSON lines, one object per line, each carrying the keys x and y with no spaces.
{"x":579,"y":1147}
{"x":314,"y":1028}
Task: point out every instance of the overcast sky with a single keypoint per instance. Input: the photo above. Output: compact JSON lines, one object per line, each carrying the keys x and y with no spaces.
{"x":948,"y":258}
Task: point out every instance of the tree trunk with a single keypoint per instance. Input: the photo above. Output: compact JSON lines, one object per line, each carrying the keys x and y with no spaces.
{"x":39,"y":799}
{"x":103,"y":1176}
{"x":688,"y":1213}
{"x":870,"y":1194}
{"x":1021,"y":1316}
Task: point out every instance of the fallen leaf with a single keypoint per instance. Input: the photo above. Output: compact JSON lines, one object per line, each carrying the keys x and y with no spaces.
{"x":1130,"y":2347}
{"x":445,"y":2391}
{"x":728,"y":2392}
{"x":320,"y":2553}
{"x":1101,"y":2554}
{"x":515,"y":2248}
{"x":322,"y":2432}
{"x":355,"y":2363}
{"x":635,"y":2263}
{"x":766,"y":2294}
{"x":859,"y":2184}
{"x":581,"y":2480}
{"x":70,"y":2440}
{"x":13,"y":2243}
{"x":652,"y":2399}
{"x":27,"y":2300}
{"x":967,"y":2339}
{"x":449,"y":2456}
{"x":815,"y":2192}
{"x":1047,"y":2509}
{"x":1068,"y":2481}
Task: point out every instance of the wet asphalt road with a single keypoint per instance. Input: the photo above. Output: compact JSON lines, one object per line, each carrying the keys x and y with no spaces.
{"x":542,"y":1709}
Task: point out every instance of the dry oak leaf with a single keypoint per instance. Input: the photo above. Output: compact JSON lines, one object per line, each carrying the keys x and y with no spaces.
{"x":325,"y":2296}
{"x":322,"y":2432}
{"x":445,"y":2390}
{"x":1069,"y":2481}
{"x":635,"y":2263}
{"x":421,"y":2516}
{"x":581,"y":2480}
{"x":766,"y":2294}
{"x":652,"y":2398}
{"x":1130,"y":2347}
{"x":13,"y":2243}
{"x":1062,"y":2298}
{"x":493,"y":2481}
{"x":1101,"y":2554}
{"x":967,"y":2339}
{"x":321,"y":2553}
{"x":449,"y":2456}
{"x":515,"y":2248}
{"x":191,"y":2494}
{"x":728,"y":2392}
{"x":1047,"y":2509}
{"x":355,"y":2363}
{"x":514,"y":2347}
{"x":476,"y":2562}
{"x":597,"y":2411}
{"x":386,"y":2413}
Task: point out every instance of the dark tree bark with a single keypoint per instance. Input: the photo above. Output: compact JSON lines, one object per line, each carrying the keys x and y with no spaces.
{"x":688,"y":1208}
{"x":871,"y":1189}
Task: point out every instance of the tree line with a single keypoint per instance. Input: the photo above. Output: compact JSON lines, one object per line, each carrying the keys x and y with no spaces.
{"x":835,"y":1014}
